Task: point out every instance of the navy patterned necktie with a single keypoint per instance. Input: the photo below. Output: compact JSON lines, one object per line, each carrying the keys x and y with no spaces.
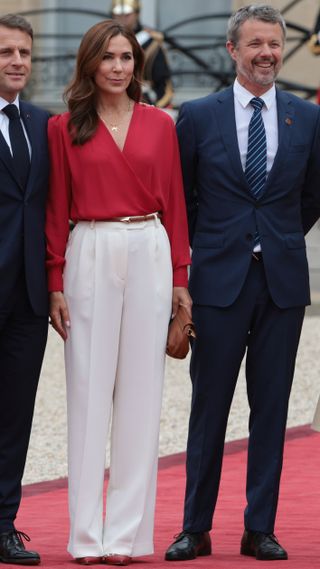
{"x":19,"y":145}
{"x":256,"y":163}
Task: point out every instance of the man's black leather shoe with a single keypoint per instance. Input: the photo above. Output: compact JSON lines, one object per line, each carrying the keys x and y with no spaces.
{"x":12,"y":549}
{"x":262,"y":546}
{"x":189,"y":546}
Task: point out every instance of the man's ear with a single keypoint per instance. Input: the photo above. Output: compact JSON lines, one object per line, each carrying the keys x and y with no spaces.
{"x":231,"y":49}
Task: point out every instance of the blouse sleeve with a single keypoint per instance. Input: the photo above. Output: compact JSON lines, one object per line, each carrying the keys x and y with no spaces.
{"x":58,"y":205}
{"x":175,"y":218}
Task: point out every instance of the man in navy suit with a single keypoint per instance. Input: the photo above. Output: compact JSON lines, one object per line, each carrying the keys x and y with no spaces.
{"x":23,"y":290}
{"x":249,"y":273}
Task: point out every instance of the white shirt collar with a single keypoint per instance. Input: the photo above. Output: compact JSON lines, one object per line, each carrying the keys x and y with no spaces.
{"x":244,"y":96}
{"x":4,"y":103}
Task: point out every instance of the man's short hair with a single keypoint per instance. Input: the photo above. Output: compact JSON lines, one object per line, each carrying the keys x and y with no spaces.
{"x":262,"y":12}
{"x":15,"y":21}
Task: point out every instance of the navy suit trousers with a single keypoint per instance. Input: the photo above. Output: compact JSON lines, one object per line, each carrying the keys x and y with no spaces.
{"x":269,"y":336}
{"x":23,"y":337}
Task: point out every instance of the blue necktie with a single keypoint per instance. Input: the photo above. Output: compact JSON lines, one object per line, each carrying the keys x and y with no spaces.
{"x":256,"y":163}
{"x":19,"y":145}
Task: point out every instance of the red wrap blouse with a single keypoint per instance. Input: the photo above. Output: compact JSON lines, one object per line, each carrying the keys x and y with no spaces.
{"x":98,"y":181}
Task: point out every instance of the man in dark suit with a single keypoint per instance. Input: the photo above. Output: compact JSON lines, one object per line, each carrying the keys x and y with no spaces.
{"x":23,"y":290}
{"x":250,"y":157}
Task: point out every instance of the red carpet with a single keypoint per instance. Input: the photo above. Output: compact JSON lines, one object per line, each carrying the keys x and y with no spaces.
{"x":44,"y":515}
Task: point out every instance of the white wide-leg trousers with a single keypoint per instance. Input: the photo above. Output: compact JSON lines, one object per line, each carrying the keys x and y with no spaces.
{"x":118,"y":286}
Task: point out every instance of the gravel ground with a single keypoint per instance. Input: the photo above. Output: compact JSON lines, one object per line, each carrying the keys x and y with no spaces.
{"x":47,"y":452}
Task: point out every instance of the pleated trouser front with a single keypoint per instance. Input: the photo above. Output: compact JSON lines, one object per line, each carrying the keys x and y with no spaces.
{"x":118,"y":286}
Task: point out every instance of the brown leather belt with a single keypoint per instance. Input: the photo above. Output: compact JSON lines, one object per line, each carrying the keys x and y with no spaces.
{"x":135,"y":218}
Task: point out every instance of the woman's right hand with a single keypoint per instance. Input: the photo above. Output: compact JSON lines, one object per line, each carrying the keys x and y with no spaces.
{"x":59,"y":314}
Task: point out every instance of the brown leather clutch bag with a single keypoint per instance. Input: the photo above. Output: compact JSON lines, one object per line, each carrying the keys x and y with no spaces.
{"x":181,"y":328}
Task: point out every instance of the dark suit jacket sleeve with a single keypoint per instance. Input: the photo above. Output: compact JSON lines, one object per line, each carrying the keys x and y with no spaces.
{"x":160,"y":74}
{"x":310,"y":200}
{"x":188,"y":155}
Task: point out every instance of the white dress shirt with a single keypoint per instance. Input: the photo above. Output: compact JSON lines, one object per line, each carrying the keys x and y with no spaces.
{"x":4,"y":123}
{"x":243,"y":113}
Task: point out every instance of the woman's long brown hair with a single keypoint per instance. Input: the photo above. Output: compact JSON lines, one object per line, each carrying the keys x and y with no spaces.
{"x":81,"y":93}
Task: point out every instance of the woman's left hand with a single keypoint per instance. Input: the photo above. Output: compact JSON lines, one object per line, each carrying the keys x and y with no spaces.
{"x":181,"y":295}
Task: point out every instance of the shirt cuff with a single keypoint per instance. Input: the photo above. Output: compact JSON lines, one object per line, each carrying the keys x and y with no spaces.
{"x":180,"y":277}
{"x":55,"y":280}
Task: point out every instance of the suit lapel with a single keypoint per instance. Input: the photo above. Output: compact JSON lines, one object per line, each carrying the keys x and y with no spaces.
{"x":5,"y":156}
{"x":285,"y":110}
{"x":227,"y":125}
{"x":29,"y":125}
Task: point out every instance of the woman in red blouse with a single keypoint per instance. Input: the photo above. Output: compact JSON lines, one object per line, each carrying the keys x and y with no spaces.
{"x":114,"y":283}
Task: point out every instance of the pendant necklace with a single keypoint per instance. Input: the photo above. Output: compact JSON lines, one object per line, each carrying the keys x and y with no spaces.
{"x":115,"y":127}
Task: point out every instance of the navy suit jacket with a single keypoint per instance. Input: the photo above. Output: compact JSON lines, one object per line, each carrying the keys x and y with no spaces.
{"x":22,"y":214}
{"x":223,"y":215}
